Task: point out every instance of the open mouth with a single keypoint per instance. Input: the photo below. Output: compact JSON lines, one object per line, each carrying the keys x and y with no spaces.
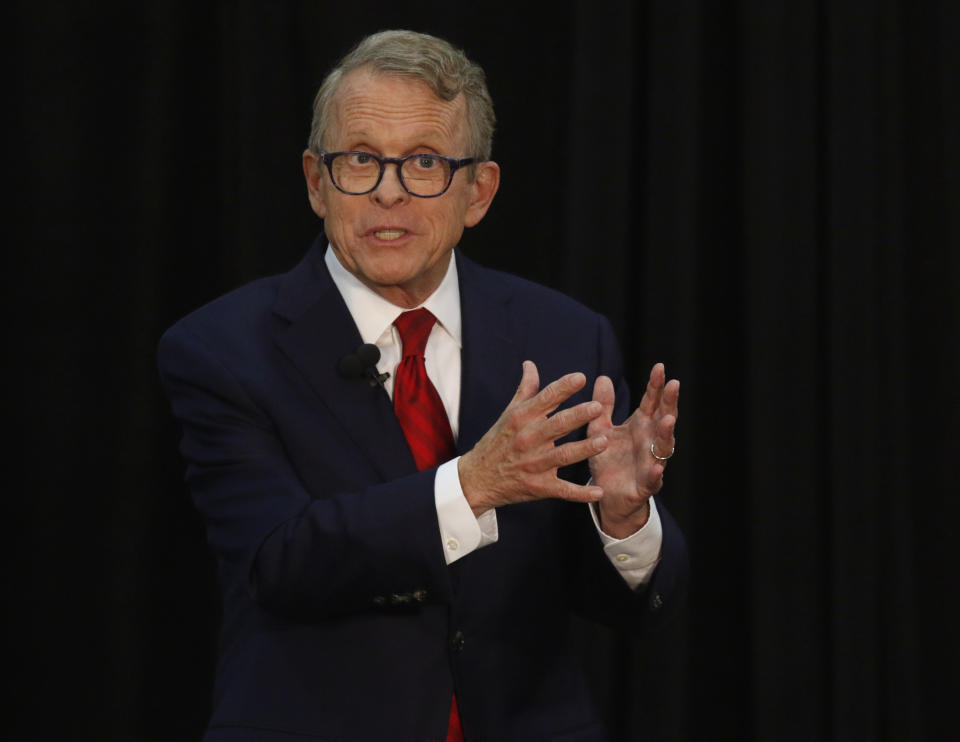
{"x":389,"y":234}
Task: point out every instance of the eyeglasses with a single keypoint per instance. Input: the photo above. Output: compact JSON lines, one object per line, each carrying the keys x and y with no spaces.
{"x":422,"y":175}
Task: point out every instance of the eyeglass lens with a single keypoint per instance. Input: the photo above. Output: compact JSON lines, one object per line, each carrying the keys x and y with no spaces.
{"x":423,"y":175}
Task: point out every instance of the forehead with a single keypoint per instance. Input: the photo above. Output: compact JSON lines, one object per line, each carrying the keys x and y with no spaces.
{"x":386,"y":110}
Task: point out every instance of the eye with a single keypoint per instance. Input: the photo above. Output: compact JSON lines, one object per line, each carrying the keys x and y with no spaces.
{"x":360,"y":158}
{"x":425,"y":162}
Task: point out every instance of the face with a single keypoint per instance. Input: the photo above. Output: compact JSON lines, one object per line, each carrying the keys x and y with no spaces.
{"x":397,"y":244}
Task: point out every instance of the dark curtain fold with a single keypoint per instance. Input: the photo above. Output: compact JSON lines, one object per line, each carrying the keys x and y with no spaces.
{"x":763,"y":194}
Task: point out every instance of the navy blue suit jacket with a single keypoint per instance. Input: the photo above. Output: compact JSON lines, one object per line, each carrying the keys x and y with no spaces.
{"x":341,"y":620}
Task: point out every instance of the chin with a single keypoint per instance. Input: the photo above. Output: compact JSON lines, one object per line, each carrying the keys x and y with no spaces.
{"x":386,"y":277}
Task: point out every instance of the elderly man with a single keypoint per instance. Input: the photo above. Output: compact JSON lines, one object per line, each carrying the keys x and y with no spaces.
{"x":402,"y":532}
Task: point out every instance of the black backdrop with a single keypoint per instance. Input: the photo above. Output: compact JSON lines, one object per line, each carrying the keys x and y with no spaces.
{"x":764,"y":194}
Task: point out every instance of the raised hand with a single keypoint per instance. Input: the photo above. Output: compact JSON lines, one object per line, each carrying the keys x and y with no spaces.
{"x":630,"y":468}
{"x":517,"y":460}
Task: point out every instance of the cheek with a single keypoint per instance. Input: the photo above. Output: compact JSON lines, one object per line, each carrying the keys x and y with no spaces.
{"x":452,"y":223}
{"x":338,"y":215}
{"x":323,"y":199}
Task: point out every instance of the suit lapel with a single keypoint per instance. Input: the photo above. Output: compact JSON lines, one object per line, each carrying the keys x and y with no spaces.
{"x":491,"y":358}
{"x":321,"y":331}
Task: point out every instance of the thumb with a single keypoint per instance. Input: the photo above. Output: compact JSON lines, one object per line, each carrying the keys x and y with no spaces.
{"x":529,"y":383}
{"x":603,"y":393}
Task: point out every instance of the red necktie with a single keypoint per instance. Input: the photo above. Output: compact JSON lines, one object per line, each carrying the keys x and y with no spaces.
{"x":420,"y":411}
{"x":415,"y":400}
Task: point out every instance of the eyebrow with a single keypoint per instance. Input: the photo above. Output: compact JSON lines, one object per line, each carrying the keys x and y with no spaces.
{"x":360,"y":139}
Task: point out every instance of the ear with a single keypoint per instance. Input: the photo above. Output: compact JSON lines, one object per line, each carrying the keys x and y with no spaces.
{"x":313,"y":172}
{"x":483,"y":189}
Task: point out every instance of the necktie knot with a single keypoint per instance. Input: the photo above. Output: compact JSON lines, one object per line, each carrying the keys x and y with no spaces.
{"x":414,"y":328}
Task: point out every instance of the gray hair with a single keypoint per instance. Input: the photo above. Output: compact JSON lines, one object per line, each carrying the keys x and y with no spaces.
{"x":444,"y":68}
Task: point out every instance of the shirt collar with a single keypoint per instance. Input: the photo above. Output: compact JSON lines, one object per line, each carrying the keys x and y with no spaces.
{"x":373,"y":314}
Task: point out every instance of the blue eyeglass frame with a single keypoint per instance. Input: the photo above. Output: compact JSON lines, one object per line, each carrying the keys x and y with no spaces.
{"x":454,"y":163}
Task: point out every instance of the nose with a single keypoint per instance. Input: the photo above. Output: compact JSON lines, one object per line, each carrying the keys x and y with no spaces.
{"x":390,"y":192}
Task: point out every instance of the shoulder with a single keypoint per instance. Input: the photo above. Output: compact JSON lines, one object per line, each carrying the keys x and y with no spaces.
{"x":239,"y":312}
{"x":256,"y":308}
{"x":538,"y":302}
{"x":534,"y":322}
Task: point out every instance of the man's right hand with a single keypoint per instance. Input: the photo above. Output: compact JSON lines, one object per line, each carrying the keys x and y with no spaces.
{"x":517,"y":459}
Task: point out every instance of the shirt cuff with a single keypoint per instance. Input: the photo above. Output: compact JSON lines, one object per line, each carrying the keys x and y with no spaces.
{"x":460,"y":532}
{"x":637,"y":555}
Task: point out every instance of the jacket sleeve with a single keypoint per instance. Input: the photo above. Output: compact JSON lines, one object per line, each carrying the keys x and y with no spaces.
{"x":599,"y":591}
{"x":302,"y":554}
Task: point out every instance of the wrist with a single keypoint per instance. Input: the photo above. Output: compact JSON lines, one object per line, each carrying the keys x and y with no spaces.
{"x":623,"y":525}
{"x":473,"y":490}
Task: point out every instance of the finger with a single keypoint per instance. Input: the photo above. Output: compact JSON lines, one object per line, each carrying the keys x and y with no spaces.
{"x":670,"y":401}
{"x":565,"y":490}
{"x":575,"y":452}
{"x":529,"y":383}
{"x":556,"y":393}
{"x":604,"y":394}
{"x":651,"y":397}
{"x":568,"y":420}
{"x":664,"y":440}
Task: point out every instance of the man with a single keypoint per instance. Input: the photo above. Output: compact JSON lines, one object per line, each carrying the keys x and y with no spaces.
{"x":399,"y":558}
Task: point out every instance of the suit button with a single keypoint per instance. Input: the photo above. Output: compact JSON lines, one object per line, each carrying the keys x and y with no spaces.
{"x":379,"y":600}
{"x":419,"y":595}
{"x":399,"y":598}
{"x":458,"y":641}
{"x":656,"y":602}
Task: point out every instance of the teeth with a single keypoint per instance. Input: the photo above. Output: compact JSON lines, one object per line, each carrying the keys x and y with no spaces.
{"x":389,"y":234}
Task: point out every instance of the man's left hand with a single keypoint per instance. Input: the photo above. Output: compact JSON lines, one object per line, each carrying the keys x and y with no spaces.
{"x":627,"y":471}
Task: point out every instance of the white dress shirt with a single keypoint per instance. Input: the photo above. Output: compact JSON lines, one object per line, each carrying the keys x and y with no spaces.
{"x":460,"y":532}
